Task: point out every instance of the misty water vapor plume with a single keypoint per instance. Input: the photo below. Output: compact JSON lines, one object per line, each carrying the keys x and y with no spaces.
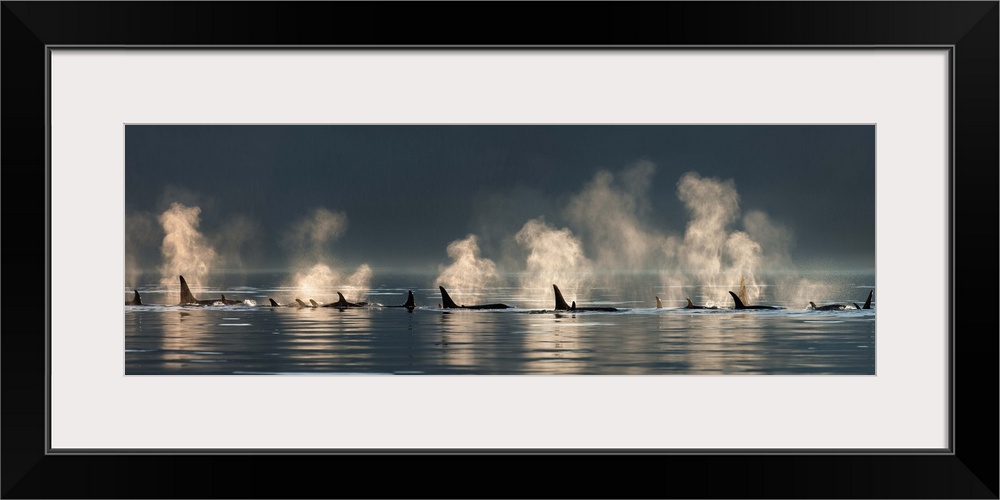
{"x":555,"y":256}
{"x":609,"y":212}
{"x":140,"y":232}
{"x":314,"y":277}
{"x":468,"y":273}
{"x":185,"y":249}
{"x":719,"y":258}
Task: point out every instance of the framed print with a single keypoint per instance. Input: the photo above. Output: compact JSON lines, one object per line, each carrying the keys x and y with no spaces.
{"x":720,"y":252}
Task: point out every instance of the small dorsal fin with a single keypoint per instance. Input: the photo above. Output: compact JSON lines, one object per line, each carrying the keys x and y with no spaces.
{"x":273,"y":303}
{"x":223,"y":296}
{"x":446,"y":299}
{"x":739,"y":303}
{"x":659,"y":305}
{"x":690,"y":304}
{"x":572,"y":307}
{"x":856,"y":306}
{"x":313,"y":302}
{"x":300,"y":303}
{"x":136,"y":301}
{"x":410,"y":304}
{"x":813,"y":304}
{"x":561,"y":304}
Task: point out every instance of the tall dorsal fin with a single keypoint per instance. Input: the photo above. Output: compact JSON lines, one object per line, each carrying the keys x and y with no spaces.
{"x":313,"y":302}
{"x":410,"y":304}
{"x":561,"y":304}
{"x":739,"y":303}
{"x":136,"y":301}
{"x":690,"y":304}
{"x":446,"y":299}
{"x":341,"y":301}
{"x":868,"y":303}
{"x":223,"y":297}
{"x":273,"y":303}
{"x":659,"y":305}
{"x":572,"y":307}
{"x":300,"y":303}
{"x":186,"y":296}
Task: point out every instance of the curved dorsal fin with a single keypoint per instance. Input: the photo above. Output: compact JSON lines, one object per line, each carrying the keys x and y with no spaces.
{"x":561,"y":304}
{"x":659,"y":305}
{"x":313,"y":302}
{"x":813,"y":304}
{"x":273,"y":303}
{"x":446,"y":299}
{"x":186,"y":296}
{"x":690,"y":304}
{"x":300,"y":303}
{"x":739,"y":303}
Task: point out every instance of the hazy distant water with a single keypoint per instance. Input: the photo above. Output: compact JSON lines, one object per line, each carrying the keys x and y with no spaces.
{"x":165,"y":340}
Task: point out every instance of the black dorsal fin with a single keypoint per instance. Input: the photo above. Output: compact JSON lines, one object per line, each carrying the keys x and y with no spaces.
{"x":739,"y":303}
{"x":690,"y":304}
{"x":410,"y":304}
{"x":446,"y":299}
{"x":273,"y":303}
{"x":868,"y":303}
{"x":300,"y":303}
{"x":561,"y":304}
{"x":572,"y":307}
{"x":856,"y":306}
{"x":313,"y":302}
{"x":659,"y":305}
{"x":813,"y":304}
{"x":186,"y":296}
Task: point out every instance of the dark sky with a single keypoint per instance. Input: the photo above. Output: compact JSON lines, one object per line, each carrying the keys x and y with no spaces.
{"x":408,"y":191}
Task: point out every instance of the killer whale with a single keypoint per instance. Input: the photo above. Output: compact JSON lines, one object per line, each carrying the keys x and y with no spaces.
{"x":740,"y":305}
{"x":409,"y":304}
{"x":450,"y":304}
{"x":659,"y":305}
{"x":136,"y":301}
{"x":298,"y":304}
{"x":829,"y":307}
{"x":342,"y":303}
{"x":868,"y":302}
{"x":188,"y":298}
{"x":561,"y":304}
{"x":691,"y":305}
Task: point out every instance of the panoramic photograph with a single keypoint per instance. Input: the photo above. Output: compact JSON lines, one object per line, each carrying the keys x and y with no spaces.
{"x":500,"y":250}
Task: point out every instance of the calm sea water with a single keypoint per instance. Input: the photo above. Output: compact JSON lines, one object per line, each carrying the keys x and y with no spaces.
{"x":525,"y":340}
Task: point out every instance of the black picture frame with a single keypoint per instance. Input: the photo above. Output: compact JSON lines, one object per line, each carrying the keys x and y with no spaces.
{"x":970,"y":29}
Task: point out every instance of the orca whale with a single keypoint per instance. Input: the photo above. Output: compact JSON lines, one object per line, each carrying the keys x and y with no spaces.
{"x":868,"y":303}
{"x":188,"y":299}
{"x":659,"y":305}
{"x":692,"y":306}
{"x":298,"y":304}
{"x":561,"y":304}
{"x":136,"y":301}
{"x":410,"y":304}
{"x":830,"y":307}
{"x":450,"y":304}
{"x":740,"y":305}
{"x":342,"y":303}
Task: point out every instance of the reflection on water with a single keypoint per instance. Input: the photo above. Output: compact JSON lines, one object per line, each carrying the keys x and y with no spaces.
{"x":639,"y":341}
